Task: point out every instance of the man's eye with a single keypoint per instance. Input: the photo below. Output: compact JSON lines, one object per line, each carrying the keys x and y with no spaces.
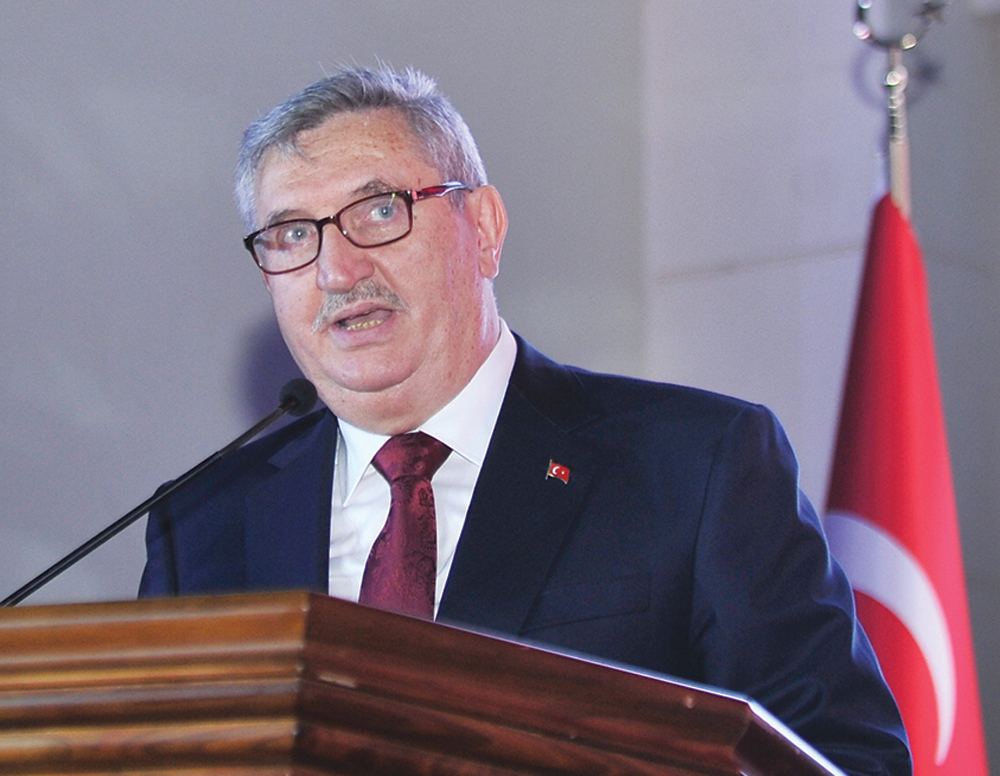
{"x":383,"y":210}
{"x":291,"y":235}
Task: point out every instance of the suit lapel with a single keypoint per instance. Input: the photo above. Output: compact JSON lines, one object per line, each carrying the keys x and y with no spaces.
{"x":288,"y":514}
{"x":519,"y":517}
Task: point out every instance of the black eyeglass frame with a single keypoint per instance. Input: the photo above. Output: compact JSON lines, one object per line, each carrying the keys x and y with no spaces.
{"x":409,"y":196}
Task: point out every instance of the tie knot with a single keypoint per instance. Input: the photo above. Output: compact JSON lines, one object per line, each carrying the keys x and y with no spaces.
{"x":410,"y":455}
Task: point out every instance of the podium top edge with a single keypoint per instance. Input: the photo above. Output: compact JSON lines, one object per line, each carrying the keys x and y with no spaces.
{"x":158,"y":608}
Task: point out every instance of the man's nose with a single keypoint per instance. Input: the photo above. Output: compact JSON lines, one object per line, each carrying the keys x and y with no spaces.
{"x":340,"y":264}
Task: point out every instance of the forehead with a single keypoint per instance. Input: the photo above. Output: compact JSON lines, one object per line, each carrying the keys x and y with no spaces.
{"x":345,"y":153}
{"x":384,"y":131}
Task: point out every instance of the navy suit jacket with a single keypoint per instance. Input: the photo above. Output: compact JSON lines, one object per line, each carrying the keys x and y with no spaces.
{"x":680,"y":544}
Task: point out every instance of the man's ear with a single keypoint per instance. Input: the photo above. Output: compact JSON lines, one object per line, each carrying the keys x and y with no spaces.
{"x":491,"y":222}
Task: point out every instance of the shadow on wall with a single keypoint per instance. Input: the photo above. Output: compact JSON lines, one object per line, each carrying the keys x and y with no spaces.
{"x":267,"y":366}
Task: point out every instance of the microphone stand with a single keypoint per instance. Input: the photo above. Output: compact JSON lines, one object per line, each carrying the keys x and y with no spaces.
{"x":297,"y":397}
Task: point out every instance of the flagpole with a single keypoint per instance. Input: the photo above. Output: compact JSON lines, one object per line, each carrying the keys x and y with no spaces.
{"x":899,"y":142}
{"x":895,"y":82}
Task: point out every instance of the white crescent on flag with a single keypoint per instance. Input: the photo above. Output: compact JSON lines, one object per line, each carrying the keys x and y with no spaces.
{"x":882,"y":568}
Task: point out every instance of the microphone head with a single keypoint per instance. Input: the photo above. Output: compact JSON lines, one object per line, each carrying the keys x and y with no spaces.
{"x":298,"y":396}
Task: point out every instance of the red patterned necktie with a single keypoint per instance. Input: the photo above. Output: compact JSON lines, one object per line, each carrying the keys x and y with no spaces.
{"x":402,"y":567}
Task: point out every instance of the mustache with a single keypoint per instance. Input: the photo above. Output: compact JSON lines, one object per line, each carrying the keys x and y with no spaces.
{"x":334,"y":304}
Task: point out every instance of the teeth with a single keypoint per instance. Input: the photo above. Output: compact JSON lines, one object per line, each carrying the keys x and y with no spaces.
{"x":363,"y":325}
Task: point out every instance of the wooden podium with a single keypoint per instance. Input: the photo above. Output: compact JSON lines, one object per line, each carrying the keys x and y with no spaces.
{"x":296,"y":683}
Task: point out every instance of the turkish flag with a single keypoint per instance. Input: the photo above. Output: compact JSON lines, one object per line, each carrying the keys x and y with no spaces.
{"x":891,"y":516}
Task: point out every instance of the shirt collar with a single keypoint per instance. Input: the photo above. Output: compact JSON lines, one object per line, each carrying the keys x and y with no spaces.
{"x":465,"y":424}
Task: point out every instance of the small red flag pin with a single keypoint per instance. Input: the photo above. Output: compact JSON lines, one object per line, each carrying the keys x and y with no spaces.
{"x":558,"y":471}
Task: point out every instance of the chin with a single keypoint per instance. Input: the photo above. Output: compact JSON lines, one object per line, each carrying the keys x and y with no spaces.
{"x":346,"y":385}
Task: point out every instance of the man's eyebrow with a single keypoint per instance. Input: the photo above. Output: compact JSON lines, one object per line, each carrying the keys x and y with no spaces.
{"x":282,"y":215}
{"x":374,"y":186}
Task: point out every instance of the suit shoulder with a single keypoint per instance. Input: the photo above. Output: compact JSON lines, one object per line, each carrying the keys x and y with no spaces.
{"x":675,"y":411}
{"x":568,"y":394}
{"x":627,"y":392}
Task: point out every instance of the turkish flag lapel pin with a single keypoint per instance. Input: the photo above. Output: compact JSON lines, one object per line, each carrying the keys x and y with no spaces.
{"x":558,"y":471}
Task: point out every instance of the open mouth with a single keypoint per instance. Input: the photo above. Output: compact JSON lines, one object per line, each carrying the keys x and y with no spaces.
{"x":368,"y":320}
{"x":366,"y":306}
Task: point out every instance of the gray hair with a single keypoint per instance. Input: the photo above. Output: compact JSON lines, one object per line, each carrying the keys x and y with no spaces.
{"x":437,"y":126}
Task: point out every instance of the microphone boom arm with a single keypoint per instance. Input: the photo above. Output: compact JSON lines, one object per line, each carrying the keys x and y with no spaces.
{"x":297,"y":397}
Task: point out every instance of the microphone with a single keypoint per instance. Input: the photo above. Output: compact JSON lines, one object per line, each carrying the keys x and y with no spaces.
{"x":298,"y":396}
{"x":296,"y":399}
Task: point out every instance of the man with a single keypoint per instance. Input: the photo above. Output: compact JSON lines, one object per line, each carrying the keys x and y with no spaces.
{"x":647,"y":524}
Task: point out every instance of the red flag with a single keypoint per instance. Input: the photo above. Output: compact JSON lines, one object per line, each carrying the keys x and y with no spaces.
{"x":891,"y":515}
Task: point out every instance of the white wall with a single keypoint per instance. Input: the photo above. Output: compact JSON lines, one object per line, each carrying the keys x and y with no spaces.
{"x":759,"y":176}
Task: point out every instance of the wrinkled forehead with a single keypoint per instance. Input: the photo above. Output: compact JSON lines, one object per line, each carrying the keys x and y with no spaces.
{"x":385,"y":130}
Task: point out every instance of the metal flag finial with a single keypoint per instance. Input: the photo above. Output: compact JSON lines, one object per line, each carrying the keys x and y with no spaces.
{"x":929,"y":13}
{"x":895,"y":83}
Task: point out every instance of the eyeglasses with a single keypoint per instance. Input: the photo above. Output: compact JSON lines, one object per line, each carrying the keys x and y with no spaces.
{"x":367,"y":223}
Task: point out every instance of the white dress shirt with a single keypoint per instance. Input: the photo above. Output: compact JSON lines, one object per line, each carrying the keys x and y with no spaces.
{"x":361,"y":495}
